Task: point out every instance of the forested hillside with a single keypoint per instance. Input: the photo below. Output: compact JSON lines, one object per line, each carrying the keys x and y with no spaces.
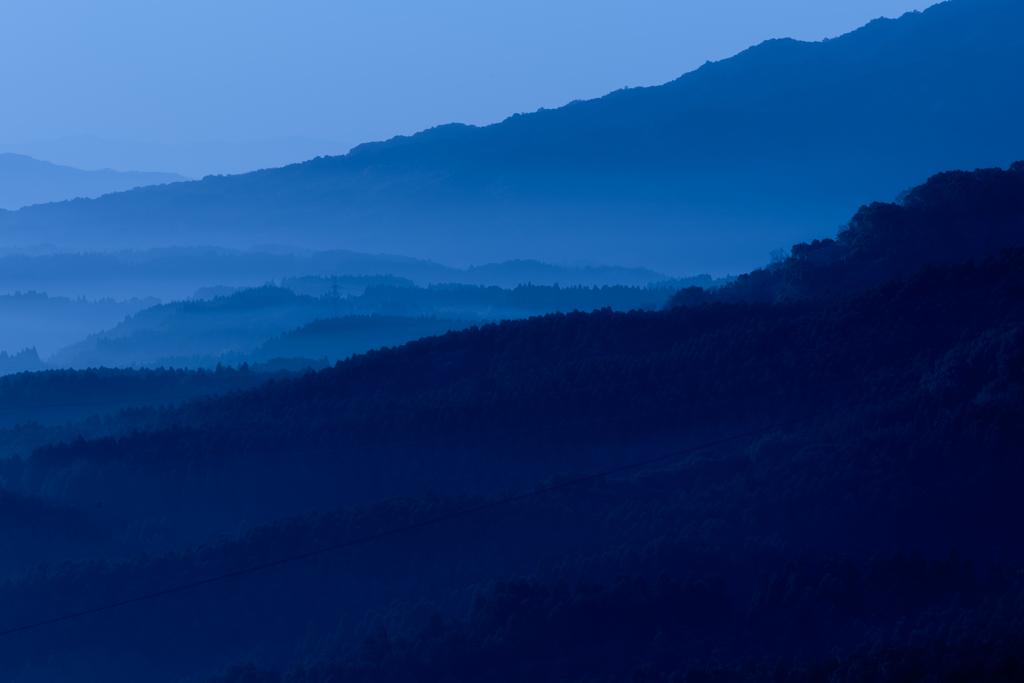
{"x":353,"y":334}
{"x":711,"y":171}
{"x":826,"y":485}
{"x":921,"y":380}
{"x":495,"y":303}
{"x":953,"y":216}
{"x":44,"y":330}
{"x":174,"y":333}
{"x":259,"y":324}
{"x":38,"y":408}
{"x":57,"y":396}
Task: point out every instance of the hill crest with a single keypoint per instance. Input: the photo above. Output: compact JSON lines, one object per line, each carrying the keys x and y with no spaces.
{"x":707,"y":173}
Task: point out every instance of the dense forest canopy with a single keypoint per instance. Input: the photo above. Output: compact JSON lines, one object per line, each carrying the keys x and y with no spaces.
{"x":859,"y":480}
{"x":953,"y":216}
{"x":821,"y":482}
{"x":56,"y":396}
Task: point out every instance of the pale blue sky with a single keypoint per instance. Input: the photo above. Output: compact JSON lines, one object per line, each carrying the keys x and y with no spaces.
{"x":187,"y":72}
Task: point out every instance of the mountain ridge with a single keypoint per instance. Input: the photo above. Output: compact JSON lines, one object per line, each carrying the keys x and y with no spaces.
{"x":721,"y":483}
{"x":709,"y":171}
{"x":26,"y":181}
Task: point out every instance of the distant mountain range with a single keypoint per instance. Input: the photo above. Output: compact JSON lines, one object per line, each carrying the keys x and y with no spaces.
{"x":25,"y":181}
{"x":260,"y":324}
{"x":171,"y":274}
{"x":707,"y":173}
{"x":494,"y":503}
{"x":193,"y":159}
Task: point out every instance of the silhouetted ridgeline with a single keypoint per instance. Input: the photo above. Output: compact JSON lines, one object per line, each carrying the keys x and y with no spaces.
{"x":169,"y":333}
{"x":176,"y":273}
{"x":495,"y":303}
{"x":353,"y":334}
{"x":344,"y":286}
{"x":258,"y":324}
{"x":26,"y":360}
{"x":25,"y":181}
{"x":524,"y":285}
{"x":930,"y":461}
{"x":839,"y":493}
{"x":711,"y":170}
{"x":953,"y":216}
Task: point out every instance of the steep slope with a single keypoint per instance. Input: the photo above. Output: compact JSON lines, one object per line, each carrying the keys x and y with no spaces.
{"x":918,"y":450}
{"x":25,"y":181}
{"x":816,"y":457}
{"x":708,"y":172}
{"x":953,"y":216}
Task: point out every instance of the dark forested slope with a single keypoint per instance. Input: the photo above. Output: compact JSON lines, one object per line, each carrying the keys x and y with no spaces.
{"x":50,"y":406}
{"x":953,"y":216}
{"x":603,"y":387}
{"x":353,"y":334}
{"x":825,"y":484}
{"x":55,"y":396}
{"x":712,"y":170}
{"x":916,"y":386}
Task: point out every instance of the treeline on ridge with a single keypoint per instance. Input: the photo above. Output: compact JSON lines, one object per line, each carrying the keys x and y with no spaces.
{"x":819,"y":456}
{"x":925,"y":465}
{"x":951,"y":217}
{"x":234,"y":328}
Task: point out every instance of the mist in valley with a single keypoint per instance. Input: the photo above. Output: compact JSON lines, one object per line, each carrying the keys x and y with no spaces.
{"x":715,"y":377}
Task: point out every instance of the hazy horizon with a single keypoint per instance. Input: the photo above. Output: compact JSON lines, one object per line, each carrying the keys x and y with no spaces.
{"x":664,"y":342}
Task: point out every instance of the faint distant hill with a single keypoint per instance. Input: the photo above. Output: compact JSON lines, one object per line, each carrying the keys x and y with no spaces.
{"x":48,"y":323}
{"x":260,"y":324}
{"x":178,"y":273}
{"x":709,"y":172}
{"x":26,"y":360}
{"x":194,"y":159}
{"x":25,"y":181}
